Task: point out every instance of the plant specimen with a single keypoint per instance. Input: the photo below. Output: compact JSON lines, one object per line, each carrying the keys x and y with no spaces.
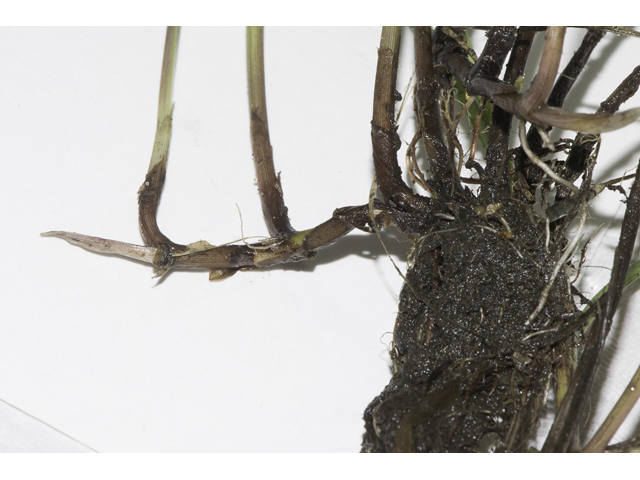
{"x":488,"y":319}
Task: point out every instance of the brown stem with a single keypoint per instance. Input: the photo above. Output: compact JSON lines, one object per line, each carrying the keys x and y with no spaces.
{"x":624,"y":92}
{"x":563,"y":85}
{"x":450,"y":57}
{"x":148,"y":200}
{"x":576,"y":400}
{"x":500,"y":132}
{"x":227,"y":259}
{"x":385,"y":84}
{"x":573,"y":69}
{"x":444,"y":175}
{"x":500,"y":41}
{"x":543,"y":82}
{"x":628,"y":446}
{"x":383,"y":129}
{"x":269,"y":187}
{"x":476,"y":131}
{"x":151,"y":190}
{"x":583,"y":145}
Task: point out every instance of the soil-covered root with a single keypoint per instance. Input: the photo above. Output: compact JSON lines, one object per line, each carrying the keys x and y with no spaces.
{"x":466,"y":377}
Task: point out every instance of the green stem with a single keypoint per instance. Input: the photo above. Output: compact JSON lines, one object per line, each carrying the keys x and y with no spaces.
{"x":151,"y":190}
{"x":618,"y":414}
{"x":165,"y":102}
{"x":273,"y":206}
{"x":165,"y":99}
{"x":632,"y":276}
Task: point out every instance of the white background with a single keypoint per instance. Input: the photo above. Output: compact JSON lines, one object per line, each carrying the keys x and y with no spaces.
{"x":278,"y":360}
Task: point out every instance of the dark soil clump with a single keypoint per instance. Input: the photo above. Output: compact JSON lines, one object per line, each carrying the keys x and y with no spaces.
{"x":465,"y":376}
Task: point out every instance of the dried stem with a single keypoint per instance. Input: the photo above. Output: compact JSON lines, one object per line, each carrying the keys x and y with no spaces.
{"x":103,"y":245}
{"x":412,"y":164}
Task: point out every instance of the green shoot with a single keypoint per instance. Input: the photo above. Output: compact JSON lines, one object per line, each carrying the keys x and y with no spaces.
{"x":632,"y":276}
